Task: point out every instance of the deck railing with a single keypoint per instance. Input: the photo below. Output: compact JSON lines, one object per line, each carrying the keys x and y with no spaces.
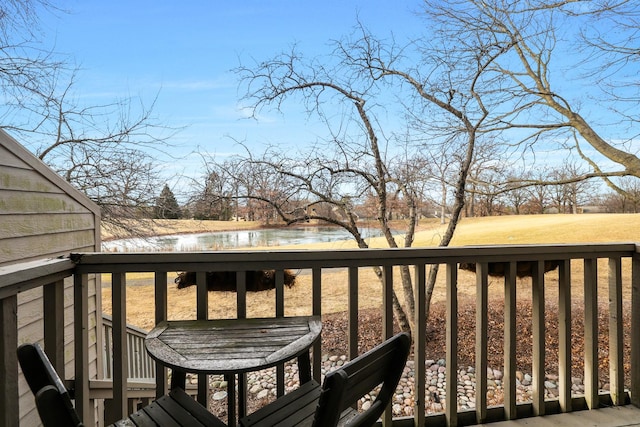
{"x":140,"y":365}
{"x":587,"y":259}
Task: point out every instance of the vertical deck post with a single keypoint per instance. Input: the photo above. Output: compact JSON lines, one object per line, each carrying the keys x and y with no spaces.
{"x":279,"y":280}
{"x":482,"y":327}
{"x":202,"y":313}
{"x":510,"y":332}
{"x":616,"y":345}
{"x":53,"y":307}
{"x":241,"y":313}
{"x":591,"y":333}
{"x":387,"y":323}
{"x":451,"y":410}
{"x":81,"y":336}
{"x":9,"y":415}
{"x":635,"y":328}
{"x":538,"y":329}
{"x":564,"y":335}
{"x":120,"y":353}
{"x":387,"y":303}
{"x":419,"y":344}
{"x":352,"y":312}
{"x":316,"y":280}
{"x":241,"y":294}
{"x":160,"y":316}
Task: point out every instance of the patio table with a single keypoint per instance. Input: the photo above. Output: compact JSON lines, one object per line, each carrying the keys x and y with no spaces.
{"x":231,"y":347}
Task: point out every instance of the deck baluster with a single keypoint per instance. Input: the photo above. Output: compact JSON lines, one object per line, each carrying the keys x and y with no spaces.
{"x":616,"y":363}
{"x":564,"y":336}
{"x":451,"y":402}
{"x":482,"y":322}
{"x":160,"y":297}
{"x":510,"y":333}
{"x":591,"y":333}
{"x":538,"y":330}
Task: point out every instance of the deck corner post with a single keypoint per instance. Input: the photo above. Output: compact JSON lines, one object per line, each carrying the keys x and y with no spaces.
{"x":81,"y":345}
{"x":635,"y":329}
{"x":9,"y":416}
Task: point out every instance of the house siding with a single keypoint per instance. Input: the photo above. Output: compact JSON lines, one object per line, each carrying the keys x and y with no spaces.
{"x":42,"y":216}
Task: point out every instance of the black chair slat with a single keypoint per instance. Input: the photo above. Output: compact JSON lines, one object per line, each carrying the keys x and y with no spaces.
{"x":383,"y":364}
{"x":124,"y":423}
{"x":298,"y":405}
{"x":347,"y":416}
{"x":143,"y":419}
{"x":370,"y":375}
{"x":198,"y":411}
{"x":175,"y":411}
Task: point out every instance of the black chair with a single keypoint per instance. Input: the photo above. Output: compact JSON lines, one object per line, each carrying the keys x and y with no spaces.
{"x":56,"y":410}
{"x":332,"y":403}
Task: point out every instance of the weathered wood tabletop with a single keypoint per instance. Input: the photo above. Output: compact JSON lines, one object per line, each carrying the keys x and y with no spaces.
{"x":231,"y":345}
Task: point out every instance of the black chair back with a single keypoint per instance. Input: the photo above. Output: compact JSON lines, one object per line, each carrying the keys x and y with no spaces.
{"x":341,"y":389}
{"x":52,"y":398}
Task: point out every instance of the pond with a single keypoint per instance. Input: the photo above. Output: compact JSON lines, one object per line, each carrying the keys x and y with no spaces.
{"x":267,"y":237}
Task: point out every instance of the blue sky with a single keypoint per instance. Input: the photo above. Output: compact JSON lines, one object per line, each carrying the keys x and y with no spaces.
{"x":184,"y":53}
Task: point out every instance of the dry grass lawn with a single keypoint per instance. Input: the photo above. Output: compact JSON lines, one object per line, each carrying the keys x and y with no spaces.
{"x":493,"y":230}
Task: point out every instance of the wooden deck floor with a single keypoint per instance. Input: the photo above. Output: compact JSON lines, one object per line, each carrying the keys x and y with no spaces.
{"x":618,"y":416}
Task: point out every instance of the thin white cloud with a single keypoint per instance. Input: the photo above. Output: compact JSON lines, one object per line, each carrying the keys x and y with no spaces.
{"x":197,"y":85}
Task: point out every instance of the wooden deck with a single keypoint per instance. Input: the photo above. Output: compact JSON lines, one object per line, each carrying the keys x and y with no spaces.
{"x":599,"y":273}
{"x":615,"y":416}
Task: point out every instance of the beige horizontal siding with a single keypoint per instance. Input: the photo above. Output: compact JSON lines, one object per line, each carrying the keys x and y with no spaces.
{"x":8,"y":157}
{"x":18,"y":179}
{"x":47,"y":245}
{"x":22,"y":202}
{"x":21,"y":225}
{"x":43,"y":216}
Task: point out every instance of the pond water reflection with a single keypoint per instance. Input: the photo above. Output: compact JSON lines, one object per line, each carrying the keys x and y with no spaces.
{"x":269,"y":237}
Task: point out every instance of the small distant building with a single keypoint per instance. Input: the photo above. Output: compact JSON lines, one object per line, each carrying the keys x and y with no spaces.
{"x":591,"y":209}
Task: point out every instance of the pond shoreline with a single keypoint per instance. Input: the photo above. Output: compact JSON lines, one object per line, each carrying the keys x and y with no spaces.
{"x":229,"y":238}
{"x":161,"y":228}
{"x":171,"y":227}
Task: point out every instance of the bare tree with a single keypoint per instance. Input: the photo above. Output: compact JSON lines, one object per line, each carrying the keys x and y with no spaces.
{"x":516,"y":196}
{"x":539,"y":52}
{"x":23,"y":63}
{"x":105,"y":150}
{"x":440,"y":165}
{"x":626,"y":201}
{"x":571,"y":191}
{"x":213,"y":199}
{"x":363,"y":79}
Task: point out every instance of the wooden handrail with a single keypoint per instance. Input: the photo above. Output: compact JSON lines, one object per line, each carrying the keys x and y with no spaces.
{"x":16,"y":278}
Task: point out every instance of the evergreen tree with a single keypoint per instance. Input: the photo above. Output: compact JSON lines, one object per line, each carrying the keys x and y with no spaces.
{"x":166,"y":205}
